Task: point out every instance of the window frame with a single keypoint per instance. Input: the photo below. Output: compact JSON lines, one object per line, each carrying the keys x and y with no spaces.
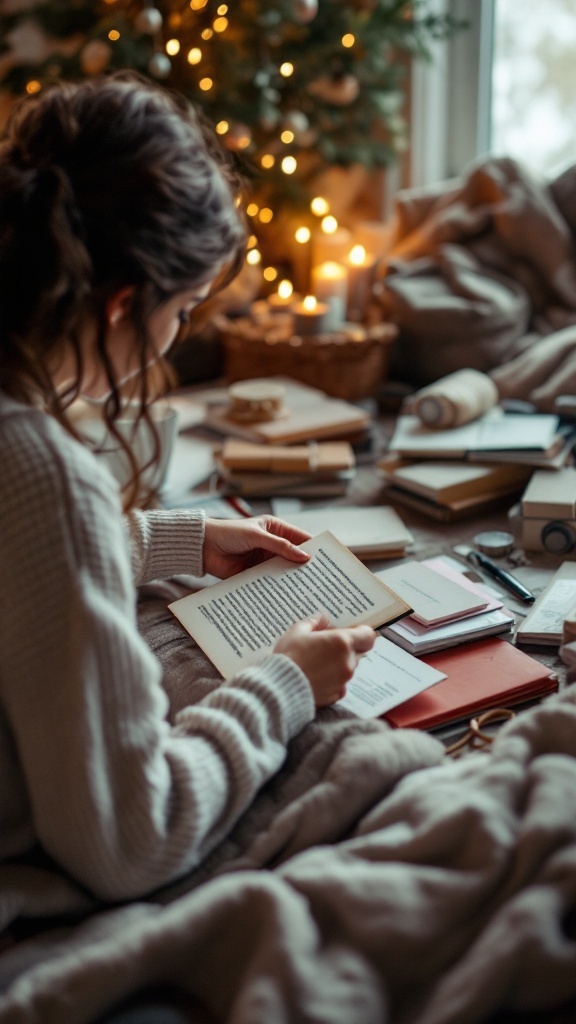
{"x":451,"y":97}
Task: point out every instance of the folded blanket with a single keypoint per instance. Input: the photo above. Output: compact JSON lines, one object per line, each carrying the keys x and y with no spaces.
{"x":480,"y":269}
{"x":374,"y":881}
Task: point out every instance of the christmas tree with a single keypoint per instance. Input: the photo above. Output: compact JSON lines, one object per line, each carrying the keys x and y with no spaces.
{"x":293,"y":87}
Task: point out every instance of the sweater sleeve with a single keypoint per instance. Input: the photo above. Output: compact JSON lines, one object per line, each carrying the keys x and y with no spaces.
{"x":165,"y":543}
{"x":122,"y":800}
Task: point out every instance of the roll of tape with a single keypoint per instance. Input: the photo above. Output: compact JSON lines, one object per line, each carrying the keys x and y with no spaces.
{"x":494,"y":542}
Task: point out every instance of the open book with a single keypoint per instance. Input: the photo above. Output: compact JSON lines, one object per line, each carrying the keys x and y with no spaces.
{"x":496,"y":436}
{"x":238,"y":622}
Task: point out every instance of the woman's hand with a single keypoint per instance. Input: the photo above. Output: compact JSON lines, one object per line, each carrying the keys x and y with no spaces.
{"x":233,"y":545}
{"x":328,"y":657}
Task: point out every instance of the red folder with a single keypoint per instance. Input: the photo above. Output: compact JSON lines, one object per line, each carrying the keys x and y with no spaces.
{"x":480,"y":675}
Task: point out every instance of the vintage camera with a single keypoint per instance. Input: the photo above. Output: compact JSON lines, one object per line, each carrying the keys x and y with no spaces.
{"x":545,"y":518}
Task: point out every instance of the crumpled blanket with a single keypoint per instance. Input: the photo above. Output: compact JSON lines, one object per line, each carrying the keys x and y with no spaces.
{"x":480,"y":270}
{"x":374,"y":880}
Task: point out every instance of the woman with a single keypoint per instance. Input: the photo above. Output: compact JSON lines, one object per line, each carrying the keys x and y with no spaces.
{"x":117,"y":217}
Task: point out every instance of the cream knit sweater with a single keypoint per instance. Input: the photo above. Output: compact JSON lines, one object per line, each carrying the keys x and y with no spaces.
{"x":89,"y":766}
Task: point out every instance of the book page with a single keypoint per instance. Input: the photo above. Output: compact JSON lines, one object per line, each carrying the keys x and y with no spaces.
{"x":237,"y":622}
{"x":386,"y":677}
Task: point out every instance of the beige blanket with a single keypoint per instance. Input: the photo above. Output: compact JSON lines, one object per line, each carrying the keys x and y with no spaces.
{"x":374,"y":880}
{"x":481,"y":268}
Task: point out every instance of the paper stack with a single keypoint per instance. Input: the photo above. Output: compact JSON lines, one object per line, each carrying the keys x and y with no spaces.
{"x":448,"y":608}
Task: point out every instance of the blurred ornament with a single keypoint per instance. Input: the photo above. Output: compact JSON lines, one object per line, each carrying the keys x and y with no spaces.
{"x":95,"y":56}
{"x":28,"y":43}
{"x":238,"y":138}
{"x":148,"y":22}
{"x":304,"y":11}
{"x":297,"y":122}
{"x":262,"y":78}
{"x":159,"y":65}
{"x":340,"y":91}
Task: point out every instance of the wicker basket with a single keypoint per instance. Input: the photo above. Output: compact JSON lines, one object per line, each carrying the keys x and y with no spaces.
{"x":350,"y":363}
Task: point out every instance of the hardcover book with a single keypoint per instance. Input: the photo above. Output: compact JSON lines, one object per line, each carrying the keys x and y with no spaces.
{"x":480,"y":675}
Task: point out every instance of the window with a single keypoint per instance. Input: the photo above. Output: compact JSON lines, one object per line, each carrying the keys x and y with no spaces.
{"x":506,"y":85}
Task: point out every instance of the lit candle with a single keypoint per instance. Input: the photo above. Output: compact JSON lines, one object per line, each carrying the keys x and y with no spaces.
{"x":332,"y":243}
{"x":361,"y":266}
{"x":330,"y":285}
{"x":374,"y":235}
{"x":281,"y":301}
{"x":310,"y":316}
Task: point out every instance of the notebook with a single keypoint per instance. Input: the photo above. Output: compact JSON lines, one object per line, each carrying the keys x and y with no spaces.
{"x":479,"y":675}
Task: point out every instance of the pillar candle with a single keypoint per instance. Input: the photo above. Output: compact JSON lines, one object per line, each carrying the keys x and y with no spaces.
{"x":361,"y":267}
{"x":332,"y":246}
{"x":330,"y":285}
{"x":374,"y":235}
{"x":311,"y":316}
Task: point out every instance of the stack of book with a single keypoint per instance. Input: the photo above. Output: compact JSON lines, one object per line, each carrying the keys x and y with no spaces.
{"x":462,"y":471}
{"x":451,"y":490}
{"x":318,"y":469}
{"x":448,"y":608}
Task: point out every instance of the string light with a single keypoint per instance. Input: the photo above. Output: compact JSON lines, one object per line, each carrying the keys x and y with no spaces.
{"x":222,"y":127}
{"x":205,"y":84}
{"x":252,"y":241}
{"x":289,"y":164}
{"x":286,"y":69}
{"x":197,"y":5}
{"x":265,"y":215}
{"x":173,"y":47}
{"x":348,"y":40}
{"x":207,"y":33}
{"x":194,"y":55}
{"x":33,"y":86}
{"x":254,"y":257}
{"x":252,"y":209}
{"x":329,"y":224}
{"x":302,"y":235}
{"x":268,"y":161}
{"x":223,"y":9}
{"x":320,"y":206}
{"x":287,"y":136}
{"x":113,"y":34}
{"x":220,"y":24}
{"x":269,"y":273}
{"x":285,"y":289}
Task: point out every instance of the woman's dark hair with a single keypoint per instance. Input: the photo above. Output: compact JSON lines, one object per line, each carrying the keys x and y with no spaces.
{"x":103,"y":184}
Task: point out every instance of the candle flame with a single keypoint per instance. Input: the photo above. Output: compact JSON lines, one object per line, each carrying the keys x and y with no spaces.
{"x":357,"y":255}
{"x":331,"y":271}
{"x":310,"y":303}
{"x":320,"y":206}
{"x":285,"y":289}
